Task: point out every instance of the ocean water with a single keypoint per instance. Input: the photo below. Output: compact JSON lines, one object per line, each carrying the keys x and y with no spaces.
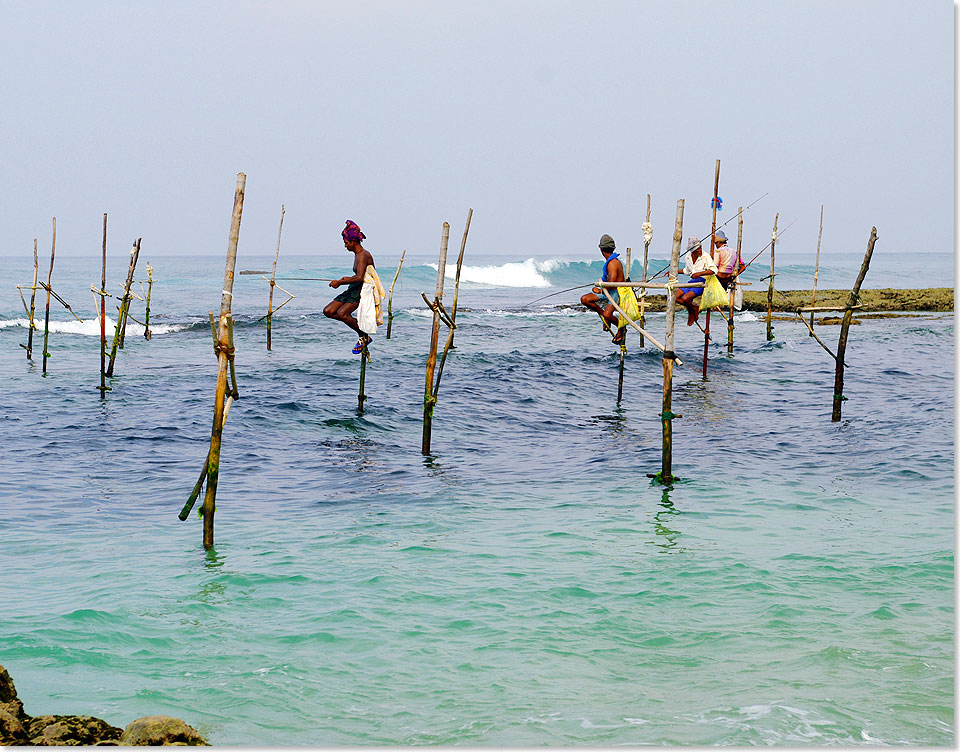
{"x":525,"y":585}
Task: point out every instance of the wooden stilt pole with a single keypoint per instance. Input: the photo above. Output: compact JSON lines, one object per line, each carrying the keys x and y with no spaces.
{"x":666,"y":413}
{"x":224,"y":357}
{"x":733,"y":282}
{"x":713,"y":231}
{"x":123,"y":308}
{"x":456,"y":281}
{"x":147,"y":334}
{"x":33,"y":298}
{"x":103,"y":314}
{"x":623,"y":353}
{"x":838,"y":397}
{"x":816,"y":269}
{"x":429,"y":400}
{"x":273,"y":282}
{"x":773,"y":245}
{"x":46,"y":320}
{"x":364,"y":356}
{"x":390,"y":298}
{"x":647,"y":237}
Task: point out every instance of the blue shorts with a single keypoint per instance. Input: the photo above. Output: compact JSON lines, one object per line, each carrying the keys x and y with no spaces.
{"x":697,"y":290}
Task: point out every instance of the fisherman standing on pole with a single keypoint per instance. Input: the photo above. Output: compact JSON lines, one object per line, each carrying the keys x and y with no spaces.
{"x":342,"y":306}
{"x":599,"y":300}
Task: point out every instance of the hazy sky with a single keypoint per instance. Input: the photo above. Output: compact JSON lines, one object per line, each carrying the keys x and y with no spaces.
{"x":552,"y":119}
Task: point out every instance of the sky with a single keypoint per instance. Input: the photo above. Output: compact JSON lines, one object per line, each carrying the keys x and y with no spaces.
{"x":552,"y":119}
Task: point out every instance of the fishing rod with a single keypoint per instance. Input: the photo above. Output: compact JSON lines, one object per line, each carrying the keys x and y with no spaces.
{"x":707,"y":236}
{"x":570,"y":289}
{"x":772,"y":240}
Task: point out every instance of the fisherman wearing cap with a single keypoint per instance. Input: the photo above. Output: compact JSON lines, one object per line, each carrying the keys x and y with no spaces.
{"x":725,"y":258}
{"x":699,"y":266}
{"x":599,"y":300}
{"x":342,"y":306}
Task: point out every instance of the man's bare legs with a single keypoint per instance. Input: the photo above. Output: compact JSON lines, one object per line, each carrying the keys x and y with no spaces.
{"x":341,"y":312}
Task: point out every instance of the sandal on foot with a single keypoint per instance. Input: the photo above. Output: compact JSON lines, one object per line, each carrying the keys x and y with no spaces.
{"x":619,"y":336}
{"x":358,"y":348}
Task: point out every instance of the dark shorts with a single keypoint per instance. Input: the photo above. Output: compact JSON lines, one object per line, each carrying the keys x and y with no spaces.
{"x":697,"y":290}
{"x":351,"y":294}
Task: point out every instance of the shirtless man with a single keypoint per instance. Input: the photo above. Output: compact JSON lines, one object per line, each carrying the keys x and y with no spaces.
{"x":342,"y":306}
{"x":599,"y":299}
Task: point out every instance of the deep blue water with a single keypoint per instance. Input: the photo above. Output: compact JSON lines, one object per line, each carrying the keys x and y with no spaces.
{"x":527,"y":584}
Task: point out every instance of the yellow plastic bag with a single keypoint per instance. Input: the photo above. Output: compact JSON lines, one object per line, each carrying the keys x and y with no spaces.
{"x":629,"y":304}
{"x":713,"y":294}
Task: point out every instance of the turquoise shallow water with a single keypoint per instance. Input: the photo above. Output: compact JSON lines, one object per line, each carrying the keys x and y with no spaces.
{"x":527,"y":584}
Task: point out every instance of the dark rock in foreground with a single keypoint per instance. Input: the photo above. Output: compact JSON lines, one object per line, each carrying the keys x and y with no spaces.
{"x":18,"y":728}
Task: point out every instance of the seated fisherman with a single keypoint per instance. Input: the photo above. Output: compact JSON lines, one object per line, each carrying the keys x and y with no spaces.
{"x":725,"y":258}
{"x":699,"y":266}
{"x":599,"y":299}
{"x":342,"y":306}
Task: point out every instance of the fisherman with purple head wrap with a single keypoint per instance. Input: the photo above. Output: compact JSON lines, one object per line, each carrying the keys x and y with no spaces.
{"x":342,"y":307}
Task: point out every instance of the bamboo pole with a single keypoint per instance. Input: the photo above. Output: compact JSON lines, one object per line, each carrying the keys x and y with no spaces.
{"x":773,"y":245}
{"x":816,"y":268}
{"x":46,"y":320}
{"x":33,"y":298}
{"x":838,"y":397}
{"x":644,"y":332}
{"x":147,"y":334}
{"x":666,"y":413}
{"x":123,"y":307}
{"x":224,"y":357}
{"x":273,"y":282}
{"x":103,"y":313}
{"x":713,"y":231}
{"x":363,"y":377}
{"x":450,"y":321}
{"x":623,"y":353}
{"x":390,"y":298}
{"x":456,"y":281}
{"x":643,"y":277}
{"x":733,"y":282}
{"x":428,"y":398}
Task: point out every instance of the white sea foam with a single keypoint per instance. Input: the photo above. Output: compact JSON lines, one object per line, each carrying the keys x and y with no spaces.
{"x":511,"y":274}
{"x":90,"y":327}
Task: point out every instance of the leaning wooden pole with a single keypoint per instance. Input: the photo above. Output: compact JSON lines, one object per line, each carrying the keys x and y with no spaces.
{"x":224,"y":359}
{"x":816,"y":268}
{"x":666,"y":413}
{"x":838,"y":397}
{"x":647,"y":237}
{"x":713,"y":231}
{"x":429,"y":400}
{"x":33,"y":299}
{"x":773,"y":245}
{"x":273,"y":280}
{"x":456,"y":281}
{"x":103,"y":313}
{"x":390,"y":298}
{"x":733,"y":283}
{"x":123,"y":308}
{"x":46,"y":319}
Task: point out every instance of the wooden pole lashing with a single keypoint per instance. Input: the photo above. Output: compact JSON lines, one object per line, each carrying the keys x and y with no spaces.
{"x":773,"y":245}
{"x":46,"y":320}
{"x":647,"y":237}
{"x":429,"y":401}
{"x":273,"y":281}
{"x":33,"y":297}
{"x":390,"y":298}
{"x":838,"y":397}
{"x":816,"y":269}
{"x":713,"y":231}
{"x":224,"y":358}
